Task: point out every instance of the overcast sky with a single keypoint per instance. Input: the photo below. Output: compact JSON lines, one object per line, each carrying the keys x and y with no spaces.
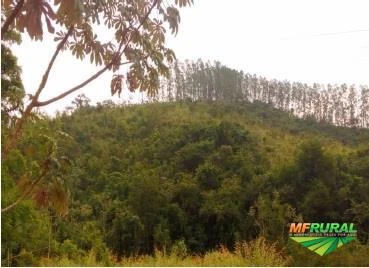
{"x":324,"y":41}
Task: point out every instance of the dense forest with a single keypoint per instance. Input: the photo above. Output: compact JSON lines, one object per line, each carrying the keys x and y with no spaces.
{"x":182,"y":181}
{"x":341,"y":105}
{"x":209,"y":170}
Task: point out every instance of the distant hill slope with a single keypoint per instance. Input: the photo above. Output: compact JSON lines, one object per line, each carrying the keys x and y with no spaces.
{"x":276,"y":132}
{"x":274,"y":117}
{"x":252,"y":114}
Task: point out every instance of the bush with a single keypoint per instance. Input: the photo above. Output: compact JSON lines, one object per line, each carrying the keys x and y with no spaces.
{"x":261,"y":253}
{"x":25,"y":258}
{"x":179,"y":249}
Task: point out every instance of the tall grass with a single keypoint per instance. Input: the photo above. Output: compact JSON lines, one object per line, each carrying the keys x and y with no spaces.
{"x":88,"y":260}
{"x":254,"y":253}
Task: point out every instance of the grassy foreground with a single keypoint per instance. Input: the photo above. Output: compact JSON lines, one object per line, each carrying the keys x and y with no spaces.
{"x":255,"y":253}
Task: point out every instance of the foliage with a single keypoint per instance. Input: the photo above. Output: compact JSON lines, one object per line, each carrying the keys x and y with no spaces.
{"x":137,"y":38}
{"x":12,"y":91}
{"x":138,"y":35}
{"x":185,"y":183}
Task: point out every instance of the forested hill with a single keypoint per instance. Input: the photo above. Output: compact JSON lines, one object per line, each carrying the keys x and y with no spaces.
{"x":186,"y":177}
{"x":341,"y":105}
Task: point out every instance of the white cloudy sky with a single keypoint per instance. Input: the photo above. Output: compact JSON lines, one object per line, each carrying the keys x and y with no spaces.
{"x":324,"y":41}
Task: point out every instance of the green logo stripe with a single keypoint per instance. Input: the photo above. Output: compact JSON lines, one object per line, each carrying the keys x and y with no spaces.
{"x":322,"y":245}
{"x":318,"y":247}
{"x":323,"y":249}
{"x":315,"y":241}
{"x":333,"y":246}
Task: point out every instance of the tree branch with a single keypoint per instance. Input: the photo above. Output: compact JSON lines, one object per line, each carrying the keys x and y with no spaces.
{"x":29,"y":190}
{"x":126,"y":62}
{"x":97,"y":74}
{"x":45,"y":77}
{"x":35,"y":103}
{"x":13,"y":139}
{"x":11,"y":18}
{"x":84,"y":83}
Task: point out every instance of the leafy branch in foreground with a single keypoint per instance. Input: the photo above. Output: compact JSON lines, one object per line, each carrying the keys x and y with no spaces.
{"x":138,"y":40}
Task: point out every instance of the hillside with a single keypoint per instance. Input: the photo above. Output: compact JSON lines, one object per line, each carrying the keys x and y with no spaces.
{"x":340,"y":105}
{"x":187,"y":177}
